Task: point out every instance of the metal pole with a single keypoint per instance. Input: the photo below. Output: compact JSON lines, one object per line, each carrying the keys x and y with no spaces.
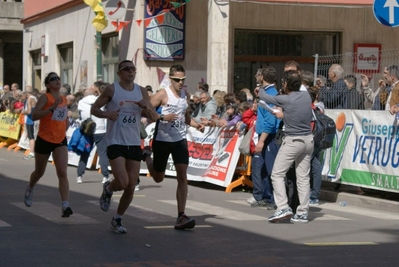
{"x":99,"y":57}
{"x":316,"y":62}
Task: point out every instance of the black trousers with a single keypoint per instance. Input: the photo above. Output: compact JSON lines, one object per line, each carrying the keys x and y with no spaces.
{"x":292,"y":191}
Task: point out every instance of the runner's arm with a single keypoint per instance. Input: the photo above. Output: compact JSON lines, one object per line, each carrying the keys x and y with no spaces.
{"x":101,"y":101}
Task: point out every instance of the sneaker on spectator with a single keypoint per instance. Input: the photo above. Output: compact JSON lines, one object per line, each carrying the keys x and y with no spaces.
{"x":105,"y":179}
{"x":260,"y":203}
{"x":137,"y":187}
{"x":79,"y":180}
{"x":251,"y":200}
{"x":303,"y":218}
{"x":105,"y":199}
{"x":271,"y":206}
{"x":66,"y":212}
{"x":146,"y":152}
{"x":281,"y":215}
{"x":117,"y":227}
{"x":314,"y":202}
{"x":29,"y":157}
{"x":28,"y":196}
{"x":184,"y":222}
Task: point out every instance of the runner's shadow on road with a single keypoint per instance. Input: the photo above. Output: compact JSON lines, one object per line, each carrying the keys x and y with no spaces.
{"x":144,"y":187}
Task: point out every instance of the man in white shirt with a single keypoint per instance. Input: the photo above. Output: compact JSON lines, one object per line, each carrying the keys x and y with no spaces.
{"x":84,"y":107}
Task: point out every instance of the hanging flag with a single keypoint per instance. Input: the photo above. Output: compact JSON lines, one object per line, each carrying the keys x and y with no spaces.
{"x":160,"y":18}
{"x":175,"y":4}
{"x":147,"y":22}
{"x":100,"y":21}
{"x":120,"y":24}
{"x":160,"y":74}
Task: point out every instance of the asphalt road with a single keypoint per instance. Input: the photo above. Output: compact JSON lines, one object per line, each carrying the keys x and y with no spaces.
{"x":228,"y":232}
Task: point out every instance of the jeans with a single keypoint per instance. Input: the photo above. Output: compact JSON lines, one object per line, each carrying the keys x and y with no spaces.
{"x":315,"y":174}
{"x":262,"y":166}
{"x":99,"y":140}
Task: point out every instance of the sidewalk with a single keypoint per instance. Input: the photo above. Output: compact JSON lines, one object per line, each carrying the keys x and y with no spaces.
{"x":354,"y":196}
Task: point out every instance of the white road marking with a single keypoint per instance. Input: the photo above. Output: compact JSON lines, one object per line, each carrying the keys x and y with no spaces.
{"x":219,"y":212}
{"x":139,"y":212}
{"x":4,"y":224}
{"x":52,"y":213}
{"x":171,"y":226}
{"x":312,"y":215}
{"x":324,"y":244}
{"x":359,"y":211}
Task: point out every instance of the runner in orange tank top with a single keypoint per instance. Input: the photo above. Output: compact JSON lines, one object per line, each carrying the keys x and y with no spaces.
{"x":51,"y":110}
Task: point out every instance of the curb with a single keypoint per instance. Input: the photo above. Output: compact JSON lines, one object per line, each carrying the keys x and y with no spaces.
{"x":361,"y":201}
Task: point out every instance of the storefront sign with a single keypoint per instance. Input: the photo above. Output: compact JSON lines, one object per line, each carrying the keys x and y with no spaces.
{"x":164,"y":33}
{"x":367,"y":58}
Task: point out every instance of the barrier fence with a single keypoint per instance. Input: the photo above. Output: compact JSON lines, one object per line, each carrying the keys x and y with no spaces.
{"x":368,"y":60}
{"x":365,"y":152}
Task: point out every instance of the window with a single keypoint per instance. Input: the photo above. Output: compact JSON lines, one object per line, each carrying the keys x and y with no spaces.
{"x":66,"y":63}
{"x":255,"y":49}
{"x":110,"y":48}
{"x":296,"y":44}
{"x":36,"y":69}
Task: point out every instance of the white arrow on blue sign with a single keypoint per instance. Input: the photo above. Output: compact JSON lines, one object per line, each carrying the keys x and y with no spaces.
{"x":386,"y":12}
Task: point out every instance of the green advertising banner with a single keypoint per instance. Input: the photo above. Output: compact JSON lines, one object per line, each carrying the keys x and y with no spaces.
{"x":365,"y":151}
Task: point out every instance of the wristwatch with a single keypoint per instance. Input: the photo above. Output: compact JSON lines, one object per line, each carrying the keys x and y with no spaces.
{"x":51,"y":110}
{"x":162,"y":117}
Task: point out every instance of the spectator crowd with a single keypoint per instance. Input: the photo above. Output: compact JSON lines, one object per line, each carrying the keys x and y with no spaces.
{"x":268,"y":109}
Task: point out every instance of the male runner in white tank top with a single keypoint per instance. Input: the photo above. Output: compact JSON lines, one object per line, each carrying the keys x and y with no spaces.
{"x":170,"y":138}
{"x":126,"y":102}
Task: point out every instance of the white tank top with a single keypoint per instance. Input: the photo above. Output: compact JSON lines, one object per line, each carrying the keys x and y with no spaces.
{"x":126,"y":129}
{"x":173,"y":131}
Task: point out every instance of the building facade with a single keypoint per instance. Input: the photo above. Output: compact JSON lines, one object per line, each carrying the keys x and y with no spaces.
{"x":11,"y":12}
{"x":224,"y":41}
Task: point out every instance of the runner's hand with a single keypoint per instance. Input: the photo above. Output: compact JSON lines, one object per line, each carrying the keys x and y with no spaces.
{"x":113,"y":115}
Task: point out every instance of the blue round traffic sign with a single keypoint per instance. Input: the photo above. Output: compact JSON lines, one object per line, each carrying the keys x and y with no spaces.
{"x":386,"y":12}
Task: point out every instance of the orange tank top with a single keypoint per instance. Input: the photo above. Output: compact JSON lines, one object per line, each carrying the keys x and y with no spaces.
{"x":52,"y":127}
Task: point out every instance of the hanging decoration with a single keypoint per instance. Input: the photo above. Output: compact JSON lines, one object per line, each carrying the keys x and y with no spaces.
{"x":119,"y":25}
{"x":100,"y":21}
{"x":116,"y":10}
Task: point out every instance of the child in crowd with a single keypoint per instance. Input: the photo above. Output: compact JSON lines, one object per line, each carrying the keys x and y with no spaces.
{"x":248,"y":114}
{"x":232,"y":116}
{"x":248,"y":120}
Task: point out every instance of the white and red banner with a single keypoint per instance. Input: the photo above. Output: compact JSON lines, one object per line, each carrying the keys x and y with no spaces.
{"x":213,"y":154}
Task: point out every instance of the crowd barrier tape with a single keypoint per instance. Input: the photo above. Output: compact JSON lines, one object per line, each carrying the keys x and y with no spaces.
{"x":365,"y":152}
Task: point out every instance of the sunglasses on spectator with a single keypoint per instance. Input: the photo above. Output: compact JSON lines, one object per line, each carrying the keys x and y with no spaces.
{"x":128,"y":68}
{"x":54,"y":78}
{"x":177,"y":79}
